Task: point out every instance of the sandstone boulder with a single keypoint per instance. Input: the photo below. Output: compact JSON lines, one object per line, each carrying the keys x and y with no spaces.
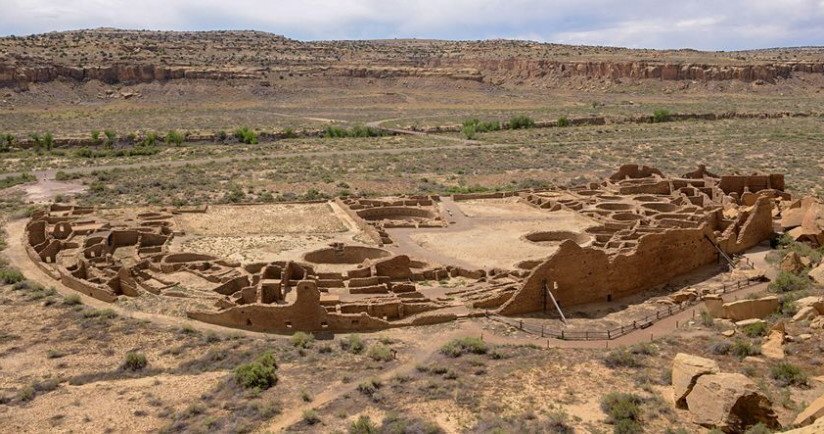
{"x":812,"y":413}
{"x":817,"y":274}
{"x":686,"y":369}
{"x":729,"y":402}
{"x":806,"y":314}
{"x":746,"y":309}
{"x":816,"y":428}
{"x":773,"y":345}
{"x":817,"y":323}
{"x":791,"y":263}
{"x":815,"y":301}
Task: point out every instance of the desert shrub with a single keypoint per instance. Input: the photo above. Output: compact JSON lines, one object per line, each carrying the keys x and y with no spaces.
{"x":6,"y":140}
{"x":622,"y":358}
{"x":174,"y":138}
{"x":134,"y":361}
{"x":787,"y":374}
{"x":756,"y":329}
{"x":335,"y":132}
{"x":10,"y":181}
{"x":370,"y":387}
{"x":661,"y":115}
{"x":364,"y":131}
{"x":758,"y":428}
{"x":627,"y":426}
{"x":302,"y":340}
{"x":151,"y":139}
{"x":469,"y":132}
{"x":95,"y":137}
{"x":620,"y":406}
{"x":258,"y":374}
{"x":111,"y":137}
{"x":380,"y":353}
{"x":363,"y":425}
{"x":481,"y":126}
{"x":742,"y":348}
{"x":72,"y":300}
{"x":9,"y":276}
{"x":311,"y":417}
{"x":787,"y":282}
{"x":460,"y":346}
{"x":353,"y":343}
{"x":393,"y":423}
{"x":37,"y":140}
{"x":720,"y":348}
{"x":246,"y":135}
{"x":289,"y":133}
{"x":706,"y":319}
{"x":100,"y":313}
{"x":563,"y":122}
{"x":521,"y":122}
{"x":48,"y":141}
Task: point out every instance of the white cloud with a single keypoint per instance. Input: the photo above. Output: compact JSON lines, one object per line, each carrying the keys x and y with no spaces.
{"x":701,"y":24}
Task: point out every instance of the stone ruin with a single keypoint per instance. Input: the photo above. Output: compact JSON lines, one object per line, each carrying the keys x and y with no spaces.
{"x":646,"y":230}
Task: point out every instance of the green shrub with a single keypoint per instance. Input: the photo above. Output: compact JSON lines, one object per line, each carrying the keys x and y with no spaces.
{"x":95,"y":137}
{"x":742,"y":348}
{"x":620,"y":406}
{"x":787,"y":374}
{"x":755,"y":330}
{"x":787,"y":282}
{"x":661,"y":115}
{"x":758,"y":428}
{"x":258,"y":374}
{"x":311,"y":417}
{"x":6,"y":140}
{"x":72,"y":300}
{"x":460,"y":346}
{"x":563,"y":122}
{"x":363,"y":425}
{"x":622,"y":358}
{"x":627,"y":426}
{"x":302,"y":340}
{"x":151,"y":139}
{"x":10,"y":181}
{"x":380,"y":353}
{"x":521,"y":122}
{"x":111,"y":137}
{"x":9,"y":276}
{"x":174,"y":138}
{"x":134,"y":361}
{"x":289,"y":133}
{"x":353,"y":343}
{"x":469,"y":132}
{"x":246,"y":135}
{"x":369,"y":387}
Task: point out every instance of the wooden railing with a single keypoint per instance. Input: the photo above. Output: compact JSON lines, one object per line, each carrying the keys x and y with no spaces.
{"x":609,"y":334}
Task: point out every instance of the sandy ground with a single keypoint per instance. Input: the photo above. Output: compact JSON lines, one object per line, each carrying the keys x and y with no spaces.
{"x":493,"y":235}
{"x":226,"y":220}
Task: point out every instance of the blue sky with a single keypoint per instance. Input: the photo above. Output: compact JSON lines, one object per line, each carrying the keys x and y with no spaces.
{"x":706,"y":25}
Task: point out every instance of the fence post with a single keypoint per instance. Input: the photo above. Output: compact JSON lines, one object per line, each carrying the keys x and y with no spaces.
{"x":586,"y":335}
{"x":542,"y":330}
{"x":634,"y":326}
{"x":609,"y":334}
{"x":521,"y":324}
{"x":562,"y":334}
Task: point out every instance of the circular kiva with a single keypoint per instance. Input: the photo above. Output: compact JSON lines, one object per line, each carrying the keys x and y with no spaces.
{"x":556,"y":237}
{"x":345,"y":255}
{"x":394,"y":213}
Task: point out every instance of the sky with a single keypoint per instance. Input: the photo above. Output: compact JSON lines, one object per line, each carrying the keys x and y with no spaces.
{"x":703,"y":25}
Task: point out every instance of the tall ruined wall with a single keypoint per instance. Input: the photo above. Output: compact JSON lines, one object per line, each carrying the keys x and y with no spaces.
{"x":588,"y":274}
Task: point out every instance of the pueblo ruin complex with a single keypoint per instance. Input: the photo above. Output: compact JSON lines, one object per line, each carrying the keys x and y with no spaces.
{"x":411,"y":260}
